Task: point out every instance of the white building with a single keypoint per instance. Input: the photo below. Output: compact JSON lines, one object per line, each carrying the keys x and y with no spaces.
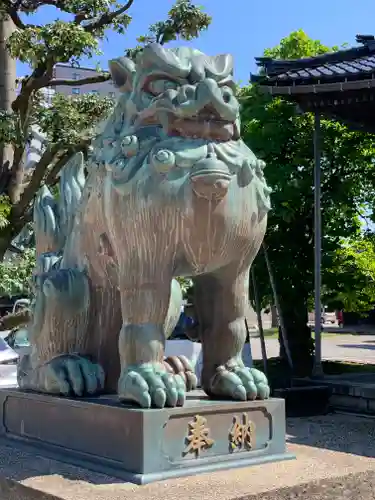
{"x":35,"y":147}
{"x":67,"y":72}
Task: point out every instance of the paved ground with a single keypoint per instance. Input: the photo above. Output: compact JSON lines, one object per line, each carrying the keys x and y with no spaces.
{"x":359,"y":348}
{"x":325,"y":447}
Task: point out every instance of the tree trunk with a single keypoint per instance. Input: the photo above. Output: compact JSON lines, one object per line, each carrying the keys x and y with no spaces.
{"x":7,"y":234}
{"x":274,"y":318}
{"x":7,"y":84}
{"x":282,"y":329}
{"x":258,"y":311}
{"x":300,"y":343}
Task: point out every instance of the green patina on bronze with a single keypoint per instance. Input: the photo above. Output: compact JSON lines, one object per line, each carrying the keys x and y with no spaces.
{"x":171,"y":190}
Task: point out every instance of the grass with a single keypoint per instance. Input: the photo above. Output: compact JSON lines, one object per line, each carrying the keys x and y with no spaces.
{"x":341,"y":367}
{"x":278,"y":373}
{"x":272,"y":333}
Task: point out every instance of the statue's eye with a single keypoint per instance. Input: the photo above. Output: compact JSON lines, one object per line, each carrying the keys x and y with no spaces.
{"x":161,"y":85}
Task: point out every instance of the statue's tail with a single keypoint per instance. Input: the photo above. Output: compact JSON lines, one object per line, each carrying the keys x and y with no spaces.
{"x":53,"y":216}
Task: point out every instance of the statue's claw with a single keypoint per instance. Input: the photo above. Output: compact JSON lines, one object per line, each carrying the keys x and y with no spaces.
{"x":67,"y":375}
{"x":239,"y":382}
{"x":150,"y":384}
{"x":180,"y":365}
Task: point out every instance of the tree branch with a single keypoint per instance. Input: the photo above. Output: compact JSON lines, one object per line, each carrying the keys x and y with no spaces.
{"x":36,"y":179}
{"x":13,"y":14}
{"x":39,"y":78}
{"x":108,"y":17}
{"x":52,"y":176}
{"x":78,"y":83}
{"x":11,"y":321}
{"x":55,"y":170}
{"x":16,"y":174}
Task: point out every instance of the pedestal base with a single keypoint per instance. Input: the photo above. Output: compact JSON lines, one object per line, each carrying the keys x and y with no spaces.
{"x":143,"y":446}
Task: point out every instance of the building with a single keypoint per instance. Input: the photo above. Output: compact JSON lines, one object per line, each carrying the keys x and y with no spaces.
{"x":35,"y":147}
{"x":67,"y":72}
{"x":338,"y":85}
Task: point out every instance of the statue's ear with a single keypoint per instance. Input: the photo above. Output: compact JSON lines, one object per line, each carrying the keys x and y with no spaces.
{"x":122,"y":71}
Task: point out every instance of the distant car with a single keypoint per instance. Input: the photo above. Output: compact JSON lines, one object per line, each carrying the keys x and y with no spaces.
{"x":20,"y":304}
{"x":18,"y":338}
{"x":185,"y":322}
{"x":329,"y":317}
{"x":340,"y":318}
{"x":7,"y":354}
{"x":18,"y":341}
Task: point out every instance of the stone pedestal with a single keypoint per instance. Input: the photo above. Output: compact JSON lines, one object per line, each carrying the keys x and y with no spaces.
{"x":142,"y":446}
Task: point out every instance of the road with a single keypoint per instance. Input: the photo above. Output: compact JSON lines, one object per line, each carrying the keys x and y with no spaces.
{"x":357,"y":348}
{"x":8,"y":375}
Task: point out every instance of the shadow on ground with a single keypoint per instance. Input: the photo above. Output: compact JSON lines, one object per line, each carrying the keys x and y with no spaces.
{"x":367,"y":345}
{"x":18,"y":464}
{"x":345,"y":433}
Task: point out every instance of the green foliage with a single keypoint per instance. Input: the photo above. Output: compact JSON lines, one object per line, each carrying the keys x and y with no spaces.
{"x":70,"y":118}
{"x":351,"y":279}
{"x":283,"y":138}
{"x":69,"y":122}
{"x":65,"y":40}
{"x":186,"y":285}
{"x":15,"y":275}
{"x":8,"y":128}
{"x":296,"y":45}
{"x":185,"y":20}
{"x":5,"y":209}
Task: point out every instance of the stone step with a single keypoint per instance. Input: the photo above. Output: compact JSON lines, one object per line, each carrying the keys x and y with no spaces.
{"x":347,"y":395}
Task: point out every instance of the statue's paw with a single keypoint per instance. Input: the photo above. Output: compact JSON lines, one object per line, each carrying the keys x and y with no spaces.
{"x":150,"y":384}
{"x":180,"y":365}
{"x":70,"y":375}
{"x":261,"y":383}
{"x":239,"y":382}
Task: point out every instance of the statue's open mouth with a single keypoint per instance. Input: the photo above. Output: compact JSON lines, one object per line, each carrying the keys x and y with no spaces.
{"x":207,"y":124}
{"x":204,"y":129}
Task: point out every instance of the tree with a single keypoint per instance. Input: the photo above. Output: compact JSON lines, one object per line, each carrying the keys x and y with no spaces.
{"x":15,"y":275}
{"x":68,"y":123}
{"x":283,"y":138}
{"x":350,"y":282}
{"x":7,"y":80}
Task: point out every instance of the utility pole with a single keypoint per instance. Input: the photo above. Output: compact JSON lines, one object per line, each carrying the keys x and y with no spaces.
{"x":318,"y":370}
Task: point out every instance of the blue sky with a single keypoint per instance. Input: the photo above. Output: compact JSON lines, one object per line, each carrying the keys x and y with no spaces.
{"x":246,"y":27}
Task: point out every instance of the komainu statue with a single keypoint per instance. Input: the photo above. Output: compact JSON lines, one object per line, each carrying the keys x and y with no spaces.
{"x":169,"y":189}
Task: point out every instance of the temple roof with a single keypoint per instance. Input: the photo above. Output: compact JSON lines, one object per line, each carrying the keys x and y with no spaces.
{"x":354,"y":64}
{"x":339,"y":84}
